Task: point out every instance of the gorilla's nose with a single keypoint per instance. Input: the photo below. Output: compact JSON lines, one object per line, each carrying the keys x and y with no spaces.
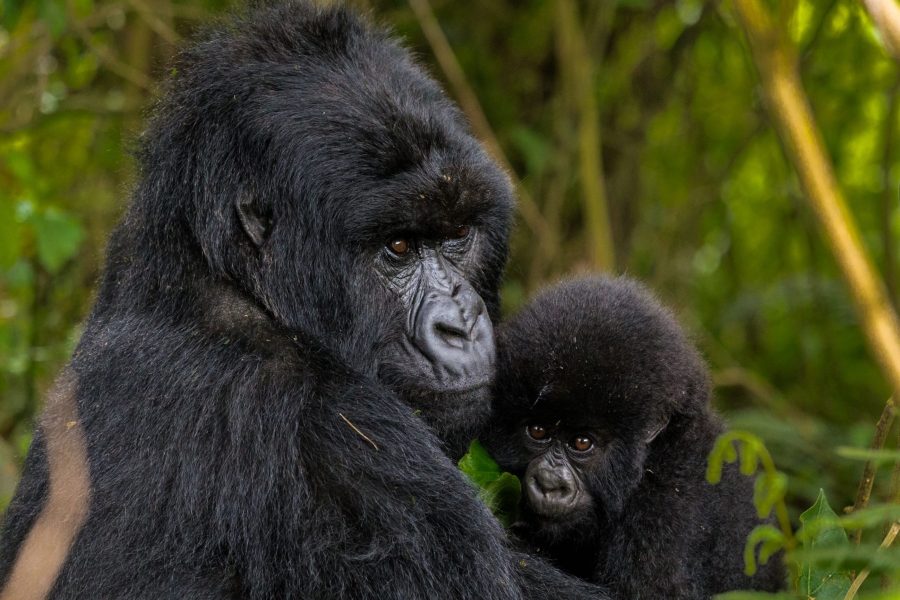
{"x":454,"y":332}
{"x":550,"y":484}
{"x":455,"y":322}
{"x":551,"y":488}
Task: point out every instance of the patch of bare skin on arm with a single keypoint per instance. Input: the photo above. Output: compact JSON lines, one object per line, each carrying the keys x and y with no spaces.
{"x":44,"y":551}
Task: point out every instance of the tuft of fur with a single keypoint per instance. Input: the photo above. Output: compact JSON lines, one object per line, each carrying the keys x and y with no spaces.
{"x":603,"y":354}
{"x":239,"y":443}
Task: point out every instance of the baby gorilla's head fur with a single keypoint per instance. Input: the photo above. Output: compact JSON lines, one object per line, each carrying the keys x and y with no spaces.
{"x":592,"y":375}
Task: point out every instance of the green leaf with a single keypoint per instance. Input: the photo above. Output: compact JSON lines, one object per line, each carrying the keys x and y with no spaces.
{"x":478,"y":465}
{"x":721,"y":453}
{"x":754,"y":596}
{"x":10,"y":234}
{"x":58,"y":237}
{"x":53,"y":13}
{"x":873,"y":516}
{"x":11,"y":11}
{"x":749,"y":458}
{"x":771,"y":541}
{"x":819,"y":531}
{"x":880,"y":455}
{"x":768,"y":490}
{"x":500,"y":491}
{"x":502,"y":497}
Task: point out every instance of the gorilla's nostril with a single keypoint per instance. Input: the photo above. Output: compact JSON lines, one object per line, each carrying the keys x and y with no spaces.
{"x":451,"y":333}
{"x":552,"y":486}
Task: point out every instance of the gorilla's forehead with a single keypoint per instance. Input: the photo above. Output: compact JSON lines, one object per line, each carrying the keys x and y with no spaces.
{"x":375,"y":140}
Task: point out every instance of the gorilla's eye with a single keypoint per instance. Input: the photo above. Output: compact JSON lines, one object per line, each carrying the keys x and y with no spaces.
{"x":399,"y":246}
{"x":581,"y":443}
{"x":461,"y":232}
{"x":537,"y":432}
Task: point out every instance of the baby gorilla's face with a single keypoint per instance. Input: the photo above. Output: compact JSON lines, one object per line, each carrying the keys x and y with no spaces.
{"x":557,"y":497}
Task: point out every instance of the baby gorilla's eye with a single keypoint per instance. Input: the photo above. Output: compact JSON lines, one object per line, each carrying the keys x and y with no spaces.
{"x":581,"y":443}
{"x":399,"y":246}
{"x":537,"y":432}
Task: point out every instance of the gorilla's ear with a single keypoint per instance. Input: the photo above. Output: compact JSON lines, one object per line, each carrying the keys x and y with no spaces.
{"x":257,"y":223}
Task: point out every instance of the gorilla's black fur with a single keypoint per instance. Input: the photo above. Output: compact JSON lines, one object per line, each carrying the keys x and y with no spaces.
{"x":603,"y":408}
{"x":250,"y":428}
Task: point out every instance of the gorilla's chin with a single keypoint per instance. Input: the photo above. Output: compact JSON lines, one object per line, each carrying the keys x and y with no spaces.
{"x":455,"y":415}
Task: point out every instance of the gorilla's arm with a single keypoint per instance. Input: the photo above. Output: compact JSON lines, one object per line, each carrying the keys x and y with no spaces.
{"x":540,"y":580}
{"x":264,"y":474}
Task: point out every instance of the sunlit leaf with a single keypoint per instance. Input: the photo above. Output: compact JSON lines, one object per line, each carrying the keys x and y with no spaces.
{"x":478,"y":465}
{"x":498,"y":490}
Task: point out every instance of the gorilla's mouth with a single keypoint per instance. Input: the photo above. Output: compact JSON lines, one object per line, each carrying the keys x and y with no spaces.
{"x":557,"y":509}
{"x":450,"y":372}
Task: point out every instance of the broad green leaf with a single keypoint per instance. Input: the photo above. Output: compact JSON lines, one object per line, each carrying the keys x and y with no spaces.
{"x":498,"y":490}
{"x":502,"y":497}
{"x":478,"y":465}
{"x":57,"y":236}
{"x":820,"y":531}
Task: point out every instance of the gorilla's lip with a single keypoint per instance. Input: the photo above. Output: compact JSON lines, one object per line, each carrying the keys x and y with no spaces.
{"x":464,"y":387}
{"x":557,"y":511}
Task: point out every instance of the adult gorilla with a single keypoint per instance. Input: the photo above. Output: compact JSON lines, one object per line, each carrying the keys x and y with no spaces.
{"x":302,"y":285}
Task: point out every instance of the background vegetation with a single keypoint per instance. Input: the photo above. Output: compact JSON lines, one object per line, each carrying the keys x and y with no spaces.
{"x":642,"y":141}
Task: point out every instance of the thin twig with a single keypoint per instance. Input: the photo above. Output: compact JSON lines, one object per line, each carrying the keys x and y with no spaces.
{"x":861,"y":578}
{"x":161,"y":28}
{"x":868,"y":477}
{"x":356,"y":429}
{"x":112,"y":63}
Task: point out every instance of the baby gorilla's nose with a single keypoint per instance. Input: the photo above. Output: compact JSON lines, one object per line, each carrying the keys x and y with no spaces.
{"x":556,"y":485}
{"x":551,"y":487}
{"x":549,"y":483}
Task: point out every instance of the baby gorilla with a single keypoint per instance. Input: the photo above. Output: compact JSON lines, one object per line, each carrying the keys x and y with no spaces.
{"x":603,"y":410}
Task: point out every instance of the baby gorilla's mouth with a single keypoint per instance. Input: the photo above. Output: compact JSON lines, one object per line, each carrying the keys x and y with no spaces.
{"x":556,"y":503}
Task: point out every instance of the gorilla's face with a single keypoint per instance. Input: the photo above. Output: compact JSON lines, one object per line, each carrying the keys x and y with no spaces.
{"x":401,"y":273}
{"x":448,"y":343}
{"x":443,"y":360}
{"x":373,"y":224}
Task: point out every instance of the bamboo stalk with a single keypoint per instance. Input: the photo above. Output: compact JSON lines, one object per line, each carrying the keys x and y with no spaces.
{"x":470,"y":105}
{"x":577,"y":71}
{"x":886,"y":16}
{"x":794,"y":122}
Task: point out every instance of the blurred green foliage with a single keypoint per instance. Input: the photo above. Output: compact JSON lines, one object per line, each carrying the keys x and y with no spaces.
{"x":702,"y":202}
